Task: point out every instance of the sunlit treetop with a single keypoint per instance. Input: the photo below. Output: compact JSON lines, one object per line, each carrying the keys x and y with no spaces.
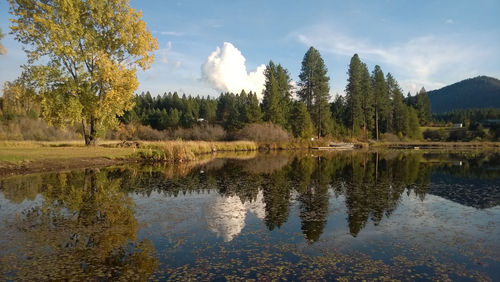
{"x":84,"y":54}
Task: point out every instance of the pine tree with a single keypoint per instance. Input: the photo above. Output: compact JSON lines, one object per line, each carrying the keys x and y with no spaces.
{"x":399,"y":111}
{"x":315,"y":90}
{"x":423,"y":107}
{"x":228,"y":113}
{"x":353,"y":94}
{"x":339,"y":110}
{"x":208,"y":110}
{"x":174,"y":117}
{"x":380,"y":98}
{"x":252,"y":109}
{"x":413,"y":124}
{"x":277,"y":98}
{"x":285,"y":97}
{"x":366,"y":101}
{"x":302,"y":126}
{"x":187,"y":118}
{"x":163,"y":120}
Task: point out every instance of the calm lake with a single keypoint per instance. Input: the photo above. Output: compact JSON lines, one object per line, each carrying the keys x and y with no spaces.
{"x":295,"y":216}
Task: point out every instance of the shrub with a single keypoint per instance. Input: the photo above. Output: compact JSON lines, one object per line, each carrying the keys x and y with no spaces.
{"x":435,"y":135}
{"x":458,"y":135}
{"x":266,"y":132}
{"x":135,"y":131}
{"x":200,"y":132}
{"x":36,"y":130}
{"x":389,"y":137}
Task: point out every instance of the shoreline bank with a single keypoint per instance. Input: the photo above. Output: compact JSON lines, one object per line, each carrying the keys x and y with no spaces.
{"x":33,"y":157}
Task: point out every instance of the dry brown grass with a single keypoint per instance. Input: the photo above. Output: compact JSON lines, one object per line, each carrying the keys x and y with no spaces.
{"x":266,"y":132}
{"x":180,"y":151}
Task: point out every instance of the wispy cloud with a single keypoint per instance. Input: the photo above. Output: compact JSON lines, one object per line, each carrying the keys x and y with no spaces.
{"x":449,"y":21}
{"x":420,"y":61}
{"x":164,"y":53}
{"x":169,"y":57}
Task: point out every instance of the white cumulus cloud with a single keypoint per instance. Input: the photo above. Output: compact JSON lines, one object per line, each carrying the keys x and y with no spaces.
{"x":225,"y":70}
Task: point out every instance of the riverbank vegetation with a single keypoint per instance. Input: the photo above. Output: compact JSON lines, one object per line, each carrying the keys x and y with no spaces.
{"x":19,"y":157}
{"x":26,"y":152}
{"x":83,"y":87}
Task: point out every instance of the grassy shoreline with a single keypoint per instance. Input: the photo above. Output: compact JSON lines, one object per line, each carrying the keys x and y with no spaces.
{"x":20,"y":157}
{"x":435,"y":145}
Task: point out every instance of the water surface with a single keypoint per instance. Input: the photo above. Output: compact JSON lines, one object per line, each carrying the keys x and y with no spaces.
{"x":392,"y":215}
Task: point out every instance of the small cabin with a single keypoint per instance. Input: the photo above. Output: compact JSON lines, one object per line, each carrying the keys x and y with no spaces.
{"x":458,"y":125}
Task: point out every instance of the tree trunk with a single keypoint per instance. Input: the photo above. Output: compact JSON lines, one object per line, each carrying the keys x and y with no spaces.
{"x":319,"y":121}
{"x":352,"y":120}
{"x":364,"y":129}
{"x":90,"y":137}
{"x":376,"y":123}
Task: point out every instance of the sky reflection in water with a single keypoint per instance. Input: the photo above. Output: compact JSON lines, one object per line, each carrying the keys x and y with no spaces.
{"x":353,"y":215}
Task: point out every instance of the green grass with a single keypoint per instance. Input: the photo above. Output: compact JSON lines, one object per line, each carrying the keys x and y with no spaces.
{"x":432,"y":128}
{"x":441,"y":144}
{"x":22,"y":154}
{"x":178,"y":151}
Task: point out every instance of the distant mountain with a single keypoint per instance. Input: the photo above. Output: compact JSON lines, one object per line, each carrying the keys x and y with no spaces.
{"x":478,"y":92}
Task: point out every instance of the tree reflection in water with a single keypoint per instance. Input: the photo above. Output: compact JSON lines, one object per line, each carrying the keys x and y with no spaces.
{"x":85,"y":225}
{"x":84,"y":229}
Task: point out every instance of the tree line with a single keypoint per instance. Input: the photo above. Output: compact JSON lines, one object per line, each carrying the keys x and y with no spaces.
{"x":88,"y":79}
{"x":374,"y":104}
{"x":468,"y":116}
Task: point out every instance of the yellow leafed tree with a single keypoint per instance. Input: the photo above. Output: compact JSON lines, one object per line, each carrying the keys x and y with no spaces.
{"x":83,"y":56}
{"x":3,"y":51}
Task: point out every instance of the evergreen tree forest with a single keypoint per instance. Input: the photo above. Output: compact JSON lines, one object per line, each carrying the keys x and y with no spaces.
{"x":373,"y":105}
{"x":372,"y":108}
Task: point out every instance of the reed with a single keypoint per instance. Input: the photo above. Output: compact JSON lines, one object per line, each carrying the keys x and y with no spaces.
{"x":182,"y":151}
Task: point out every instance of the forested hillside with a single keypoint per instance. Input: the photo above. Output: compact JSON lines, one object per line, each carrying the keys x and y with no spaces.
{"x":478,"y":92}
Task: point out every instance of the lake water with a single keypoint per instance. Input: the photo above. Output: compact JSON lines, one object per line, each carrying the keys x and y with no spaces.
{"x":294,"y":216}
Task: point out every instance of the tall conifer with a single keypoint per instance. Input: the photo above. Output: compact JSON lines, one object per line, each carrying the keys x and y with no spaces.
{"x":380,"y":98}
{"x":315,"y":90}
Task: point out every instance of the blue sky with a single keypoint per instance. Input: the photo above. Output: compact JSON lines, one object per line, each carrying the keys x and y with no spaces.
{"x":422,"y":43}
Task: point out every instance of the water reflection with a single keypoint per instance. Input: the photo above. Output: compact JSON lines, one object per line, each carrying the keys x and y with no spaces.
{"x":83,"y":224}
{"x":226,"y":215}
{"x":84,"y":228}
